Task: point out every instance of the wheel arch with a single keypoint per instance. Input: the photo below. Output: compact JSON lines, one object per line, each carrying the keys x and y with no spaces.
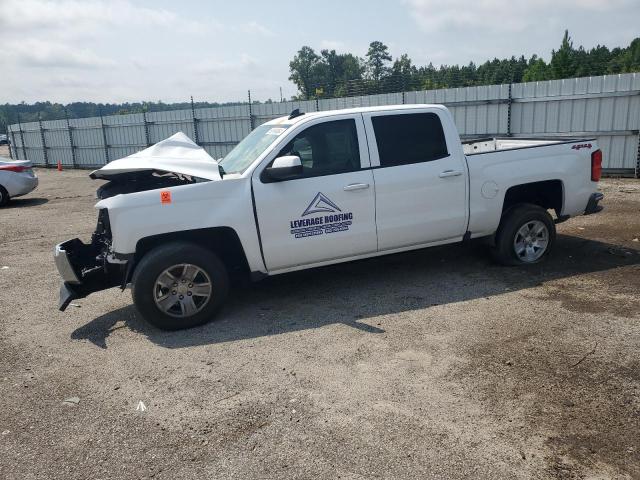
{"x":548,"y":194}
{"x":223,"y":241}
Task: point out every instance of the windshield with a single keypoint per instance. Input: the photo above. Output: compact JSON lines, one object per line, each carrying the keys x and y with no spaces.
{"x":251,"y":147}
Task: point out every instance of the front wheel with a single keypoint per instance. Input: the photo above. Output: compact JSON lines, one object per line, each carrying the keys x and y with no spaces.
{"x":525,"y":235}
{"x":179,"y":285}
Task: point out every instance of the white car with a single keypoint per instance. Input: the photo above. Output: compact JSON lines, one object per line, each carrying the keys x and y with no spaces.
{"x":16,"y":179}
{"x":317,"y":189}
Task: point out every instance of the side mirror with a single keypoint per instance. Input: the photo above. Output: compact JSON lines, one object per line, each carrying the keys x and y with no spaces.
{"x":285,"y":168}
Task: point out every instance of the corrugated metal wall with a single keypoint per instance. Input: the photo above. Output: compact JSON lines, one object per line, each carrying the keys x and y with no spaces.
{"x":606,"y":107}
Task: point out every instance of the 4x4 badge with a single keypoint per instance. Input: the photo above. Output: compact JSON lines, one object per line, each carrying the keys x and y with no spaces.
{"x":321,"y":204}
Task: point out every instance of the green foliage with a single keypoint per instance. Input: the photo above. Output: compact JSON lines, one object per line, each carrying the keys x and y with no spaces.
{"x":380,"y":73}
{"x":324,"y":75}
{"x":377,"y":59}
{"x":330,"y":74}
{"x":304,"y":69}
{"x":563,"y":63}
{"x":537,"y":70}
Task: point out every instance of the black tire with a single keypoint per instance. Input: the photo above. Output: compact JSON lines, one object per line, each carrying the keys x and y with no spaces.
{"x":157,"y":261}
{"x":512,"y":221}
{"x":4,"y":196}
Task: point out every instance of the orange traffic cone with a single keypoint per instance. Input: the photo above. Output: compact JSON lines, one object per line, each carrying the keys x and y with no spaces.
{"x":59,"y":166}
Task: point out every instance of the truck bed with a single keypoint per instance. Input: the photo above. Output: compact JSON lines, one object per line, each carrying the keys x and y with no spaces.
{"x":493,"y":144}
{"x":496,"y":164}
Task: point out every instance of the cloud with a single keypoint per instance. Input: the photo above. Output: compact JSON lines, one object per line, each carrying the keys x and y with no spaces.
{"x":84,"y":16}
{"x":256,"y":28}
{"x":498,"y":15}
{"x":243,"y":64}
{"x":41,"y":54}
{"x":67,"y":81}
{"x":332,"y":45}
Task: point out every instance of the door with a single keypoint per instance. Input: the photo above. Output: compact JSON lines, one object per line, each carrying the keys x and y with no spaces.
{"x":328,"y":212}
{"x":421,"y":186}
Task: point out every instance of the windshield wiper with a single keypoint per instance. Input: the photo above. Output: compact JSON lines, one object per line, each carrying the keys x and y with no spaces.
{"x":221,"y":170}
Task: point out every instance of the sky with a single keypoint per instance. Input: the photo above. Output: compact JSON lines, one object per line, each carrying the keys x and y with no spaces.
{"x":134,"y":50}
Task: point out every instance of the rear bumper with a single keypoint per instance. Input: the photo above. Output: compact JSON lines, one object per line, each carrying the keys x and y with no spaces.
{"x":83,"y":270}
{"x":593,"y":203}
{"x":23,"y":184}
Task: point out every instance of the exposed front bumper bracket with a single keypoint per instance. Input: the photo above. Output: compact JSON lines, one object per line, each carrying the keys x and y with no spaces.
{"x":84,"y":270}
{"x":63,"y":264}
{"x":67,"y":294}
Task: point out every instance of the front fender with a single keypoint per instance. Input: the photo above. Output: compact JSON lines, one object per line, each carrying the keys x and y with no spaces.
{"x":226,"y":203}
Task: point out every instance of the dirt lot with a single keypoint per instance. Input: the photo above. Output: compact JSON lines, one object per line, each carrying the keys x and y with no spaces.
{"x":432,"y":364}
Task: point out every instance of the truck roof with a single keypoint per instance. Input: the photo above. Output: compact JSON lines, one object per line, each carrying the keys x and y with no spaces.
{"x":285,"y":120}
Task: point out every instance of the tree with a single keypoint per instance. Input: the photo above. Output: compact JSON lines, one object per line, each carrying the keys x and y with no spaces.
{"x":303,"y":67}
{"x":351,"y":80}
{"x":429,"y":79}
{"x":468,"y":75}
{"x":598,"y":59}
{"x":537,"y":70}
{"x":377,"y":59}
{"x":404,"y":72}
{"x":562,"y":61}
{"x":403,"y":66}
{"x":625,"y":60}
{"x":335,"y":70}
{"x":344,"y":74}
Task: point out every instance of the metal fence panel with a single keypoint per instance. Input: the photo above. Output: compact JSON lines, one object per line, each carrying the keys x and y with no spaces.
{"x":268,"y":111}
{"x":56,"y":139}
{"x":220,"y":129}
{"x":88,"y":142}
{"x":161,"y":125}
{"x":606,"y":107}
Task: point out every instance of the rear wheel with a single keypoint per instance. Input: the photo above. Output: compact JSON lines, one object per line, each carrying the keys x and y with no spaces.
{"x":179,"y":285}
{"x":525,"y":235}
{"x":4,"y":196}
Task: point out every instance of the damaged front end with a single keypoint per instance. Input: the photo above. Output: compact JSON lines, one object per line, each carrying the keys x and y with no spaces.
{"x":89,"y":268}
{"x":174,"y":162}
{"x":132,"y":182}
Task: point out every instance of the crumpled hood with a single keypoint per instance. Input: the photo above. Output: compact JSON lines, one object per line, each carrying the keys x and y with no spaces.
{"x":177,"y":154}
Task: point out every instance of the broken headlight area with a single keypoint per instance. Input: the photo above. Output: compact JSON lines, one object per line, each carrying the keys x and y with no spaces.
{"x":85,"y":267}
{"x":131,"y":182}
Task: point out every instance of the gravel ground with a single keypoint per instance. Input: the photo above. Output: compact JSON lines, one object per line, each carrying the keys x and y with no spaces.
{"x":431,"y":364}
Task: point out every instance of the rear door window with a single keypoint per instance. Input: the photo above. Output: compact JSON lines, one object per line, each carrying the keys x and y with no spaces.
{"x":409,"y":138}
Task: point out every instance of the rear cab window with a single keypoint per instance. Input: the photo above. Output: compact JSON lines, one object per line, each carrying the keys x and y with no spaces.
{"x":404,"y":139}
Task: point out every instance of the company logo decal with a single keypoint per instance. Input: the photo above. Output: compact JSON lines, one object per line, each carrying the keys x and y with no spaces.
{"x":581,"y":145}
{"x":321,"y":204}
{"x":327,"y":218}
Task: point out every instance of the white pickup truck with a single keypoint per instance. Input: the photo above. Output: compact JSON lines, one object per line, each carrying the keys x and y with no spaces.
{"x":315,"y":189}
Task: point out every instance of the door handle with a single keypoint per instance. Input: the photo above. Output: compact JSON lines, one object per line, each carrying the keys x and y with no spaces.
{"x":355,"y":186}
{"x":450,"y":173}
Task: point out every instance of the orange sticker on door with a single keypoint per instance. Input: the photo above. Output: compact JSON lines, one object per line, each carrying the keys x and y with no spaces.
{"x":165,"y":197}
